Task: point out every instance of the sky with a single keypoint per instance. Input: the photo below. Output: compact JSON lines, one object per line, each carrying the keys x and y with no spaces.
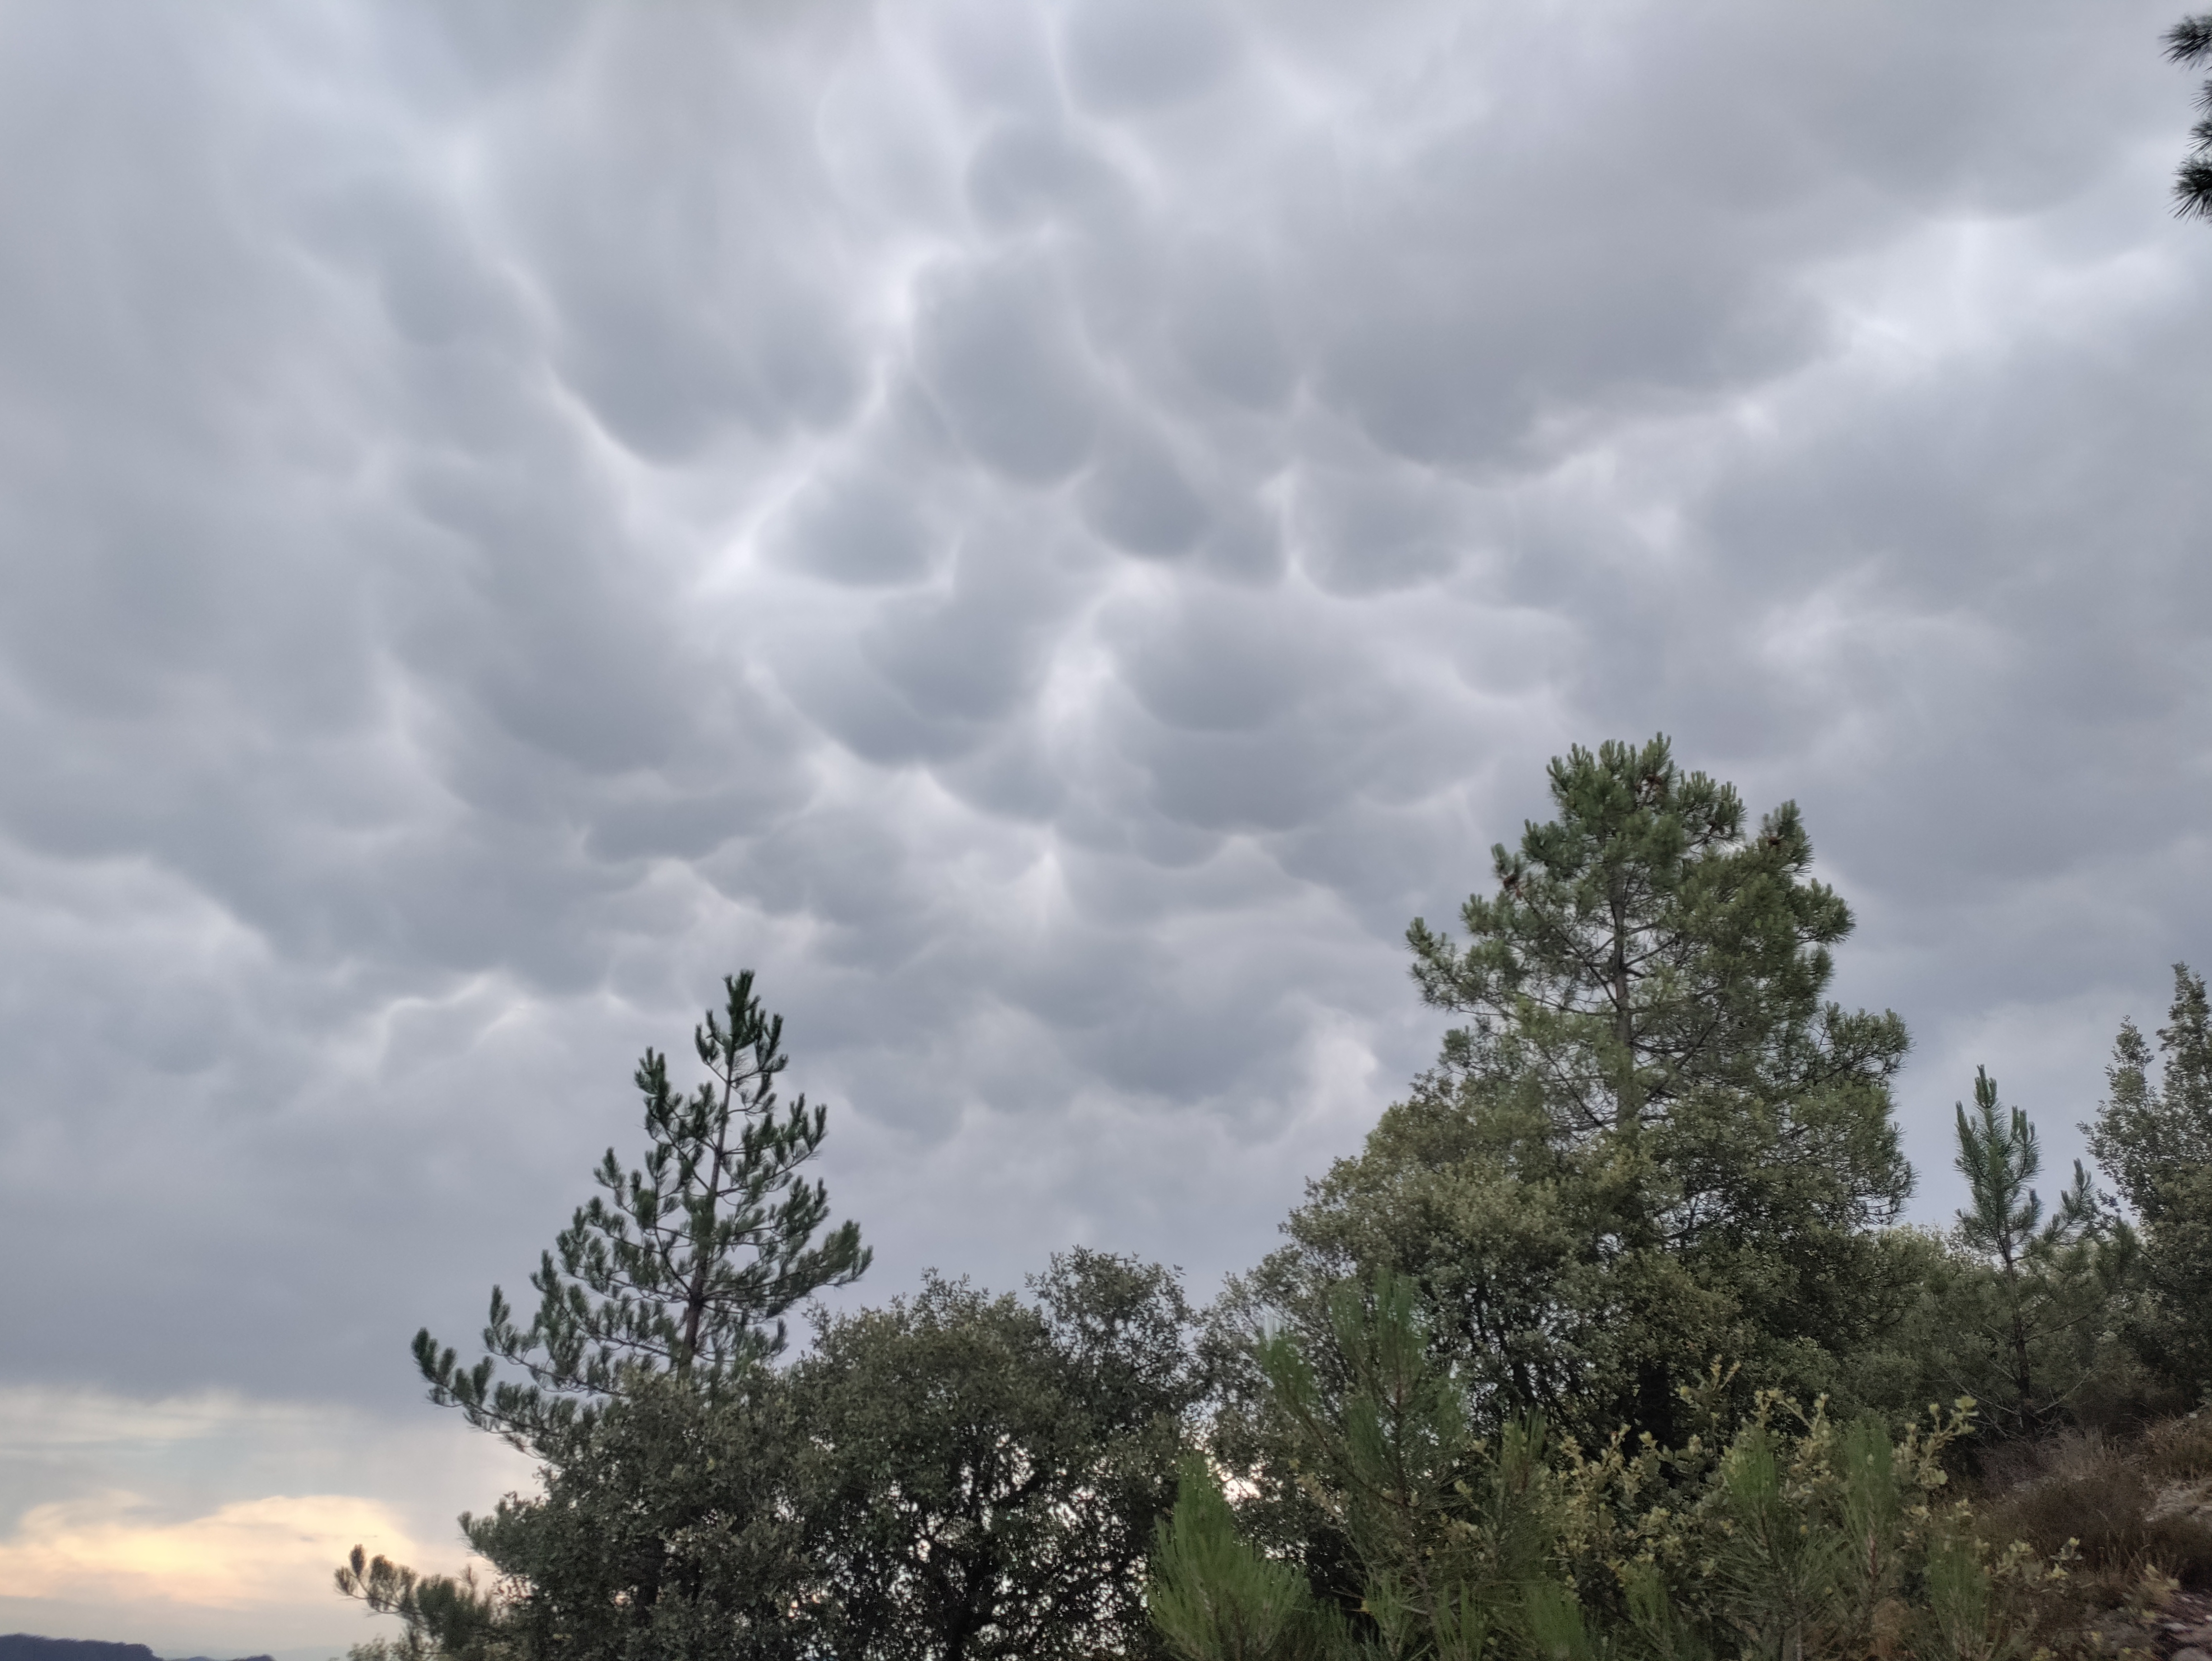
{"x":1052,"y":532}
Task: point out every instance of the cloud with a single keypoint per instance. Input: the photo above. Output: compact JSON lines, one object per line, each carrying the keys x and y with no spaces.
{"x":201,"y":1522}
{"x":246,"y":1555}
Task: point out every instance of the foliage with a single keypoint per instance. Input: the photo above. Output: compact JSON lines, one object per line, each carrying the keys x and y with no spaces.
{"x":1793,"y":1537}
{"x":955,"y":1476}
{"x":1215,"y":1597}
{"x":670,"y":1526}
{"x":1642,"y":950}
{"x":668,"y":1514}
{"x":687,"y":1264}
{"x":441,"y":1615}
{"x":2189,"y":42}
{"x":2044,"y":1277}
{"x":1653,"y":1141}
{"x":988,"y":1472}
{"x":2153,"y":1137}
{"x":1524,"y":1384}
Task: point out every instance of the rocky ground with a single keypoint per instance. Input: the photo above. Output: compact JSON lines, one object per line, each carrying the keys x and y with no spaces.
{"x":2178,"y":1629}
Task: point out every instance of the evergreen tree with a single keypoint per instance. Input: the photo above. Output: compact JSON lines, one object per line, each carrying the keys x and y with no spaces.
{"x":1643,"y":955}
{"x":1795,"y":1537}
{"x":1215,"y":1597}
{"x":1654,"y":1140}
{"x":2153,"y":1137}
{"x":2189,"y":42}
{"x":685,"y":1265}
{"x":670,"y":1526}
{"x":2044,"y":1279}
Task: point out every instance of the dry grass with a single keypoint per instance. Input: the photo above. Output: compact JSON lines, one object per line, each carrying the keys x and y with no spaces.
{"x":2181,"y":1450}
{"x":2118,"y":1506}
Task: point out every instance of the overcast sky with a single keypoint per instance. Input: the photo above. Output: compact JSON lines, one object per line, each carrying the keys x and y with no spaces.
{"x":1052,"y":531}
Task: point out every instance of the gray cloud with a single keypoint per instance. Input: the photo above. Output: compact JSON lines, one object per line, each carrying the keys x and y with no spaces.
{"x":1053,"y":530}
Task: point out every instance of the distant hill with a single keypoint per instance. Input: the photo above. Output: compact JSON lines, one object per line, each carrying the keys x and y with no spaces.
{"x":23,"y":1646}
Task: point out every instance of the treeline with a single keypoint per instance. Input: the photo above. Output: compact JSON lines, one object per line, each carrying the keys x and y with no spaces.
{"x":1609,"y":1343}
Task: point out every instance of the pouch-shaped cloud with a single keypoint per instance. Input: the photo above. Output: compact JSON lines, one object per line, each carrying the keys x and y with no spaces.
{"x":998,"y":350}
{"x":1051,"y":531}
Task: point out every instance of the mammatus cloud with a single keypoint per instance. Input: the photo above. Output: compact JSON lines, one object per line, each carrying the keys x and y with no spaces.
{"x":1051,"y":531}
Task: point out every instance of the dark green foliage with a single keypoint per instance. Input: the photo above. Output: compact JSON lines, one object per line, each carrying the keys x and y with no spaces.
{"x":1215,"y":1597}
{"x":1523,"y":1385}
{"x":953,"y":1478}
{"x":1642,"y":951}
{"x":2148,"y":1129}
{"x":988,"y":1472}
{"x":1655,"y":1141}
{"x":671,"y":1527}
{"x":442,"y":1617}
{"x":1999,"y":1155}
{"x":2189,"y":42}
{"x":1795,"y":1537}
{"x":2044,"y":1277}
{"x":2153,"y":1137}
{"x":670,"y":1521}
{"x":686,"y":1265}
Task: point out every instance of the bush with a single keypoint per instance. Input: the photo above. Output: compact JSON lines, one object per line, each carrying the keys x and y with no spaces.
{"x":1785,"y":1534}
{"x":2180,"y":1449}
{"x":2099,"y":1503}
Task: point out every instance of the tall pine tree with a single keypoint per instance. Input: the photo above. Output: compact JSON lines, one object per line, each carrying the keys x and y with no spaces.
{"x":2040,"y":1269}
{"x":686,"y":1264}
{"x":1654,"y":1140}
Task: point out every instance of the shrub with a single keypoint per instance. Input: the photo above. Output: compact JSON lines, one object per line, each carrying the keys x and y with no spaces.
{"x":2099,"y":1503}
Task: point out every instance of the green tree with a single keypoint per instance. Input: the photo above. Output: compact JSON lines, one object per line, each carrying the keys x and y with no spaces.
{"x":1214,"y":1596}
{"x":669,"y":1526}
{"x":686,"y":1264}
{"x":2044,"y":1278}
{"x":1794,"y":1537}
{"x":2153,"y":1137}
{"x":1654,"y":1140}
{"x":672,"y":1527}
{"x":672,"y":1474}
{"x":441,"y":1615}
{"x":2189,"y":42}
{"x":986,"y":1472}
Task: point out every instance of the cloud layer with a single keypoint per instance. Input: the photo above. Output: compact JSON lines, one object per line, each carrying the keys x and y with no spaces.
{"x":193,"y":1523}
{"x":1052,"y":531}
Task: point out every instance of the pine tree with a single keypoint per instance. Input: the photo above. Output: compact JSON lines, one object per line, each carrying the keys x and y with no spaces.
{"x":1654,"y":1140}
{"x":1643,"y":950}
{"x":1216,"y":1599}
{"x":1999,"y":1156}
{"x":2189,"y":42}
{"x":2147,"y":1132}
{"x":686,"y":1265}
{"x":2153,"y":1137}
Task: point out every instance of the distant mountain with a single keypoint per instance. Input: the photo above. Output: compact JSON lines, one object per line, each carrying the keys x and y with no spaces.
{"x":22,"y":1646}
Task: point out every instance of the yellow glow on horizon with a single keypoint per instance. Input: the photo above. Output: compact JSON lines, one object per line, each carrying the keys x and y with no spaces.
{"x":246,"y":1555}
